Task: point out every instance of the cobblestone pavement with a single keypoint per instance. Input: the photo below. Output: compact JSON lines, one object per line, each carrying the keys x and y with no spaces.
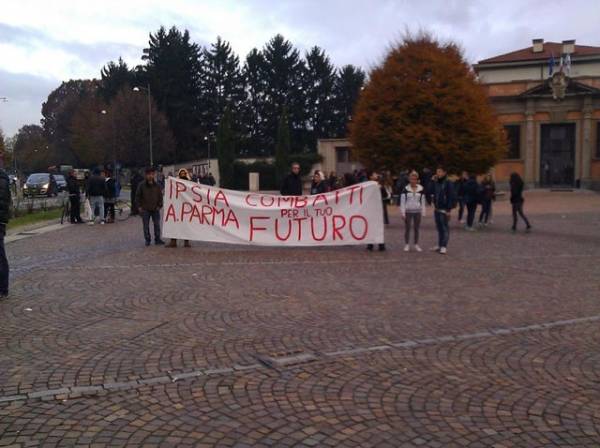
{"x":107,"y":343}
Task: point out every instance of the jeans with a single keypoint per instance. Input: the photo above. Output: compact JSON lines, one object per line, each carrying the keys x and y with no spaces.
{"x":75,"y":208}
{"x":155,"y":215}
{"x":3,"y":263}
{"x":461,"y":208}
{"x":471,"y":210}
{"x":441,"y":224}
{"x":486,"y":209}
{"x":97,"y":202}
{"x":517,"y":207}
{"x":412,"y":218}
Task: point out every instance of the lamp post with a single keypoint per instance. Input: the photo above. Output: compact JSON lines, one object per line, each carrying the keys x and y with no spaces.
{"x":207,"y":139}
{"x":104,"y":112}
{"x":149,"y":95}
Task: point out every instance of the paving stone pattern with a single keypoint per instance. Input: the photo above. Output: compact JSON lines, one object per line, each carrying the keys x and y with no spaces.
{"x":107,"y":343}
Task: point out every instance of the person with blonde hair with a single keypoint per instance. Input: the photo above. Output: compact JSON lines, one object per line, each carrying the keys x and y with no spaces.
{"x":412,"y":208}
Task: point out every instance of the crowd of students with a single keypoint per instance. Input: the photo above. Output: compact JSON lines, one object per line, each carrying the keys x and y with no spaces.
{"x":413,"y":192}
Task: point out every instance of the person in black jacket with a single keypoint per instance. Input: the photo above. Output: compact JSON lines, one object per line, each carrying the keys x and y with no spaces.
{"x":5,"y":203}
{"x":74,"y":198}
{"x":110,"y":197}
{"x":488,"y":194}
{"x":471,"y":198}
{"x":517,"y":200}
{"x":95,"y":191}
{"x":459,"y":187}
{"x":384,"y":197}
{"x":443,"y":200}
{"x":292,"y":184}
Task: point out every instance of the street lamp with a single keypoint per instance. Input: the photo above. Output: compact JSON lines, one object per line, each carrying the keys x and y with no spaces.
{"x":207,"y":139}
{"x":149,"y":94}
{"x":104,"y":112}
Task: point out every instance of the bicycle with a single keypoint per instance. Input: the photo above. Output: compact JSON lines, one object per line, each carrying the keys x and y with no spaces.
{"x":66,"y":210}
{"x":122,"y":210}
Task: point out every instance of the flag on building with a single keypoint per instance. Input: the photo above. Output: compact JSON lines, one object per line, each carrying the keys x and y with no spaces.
{"x":568,"y":65}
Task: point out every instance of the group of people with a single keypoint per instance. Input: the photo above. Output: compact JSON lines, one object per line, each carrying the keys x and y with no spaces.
{"x":101,"y":190}
{"x":444,"y":195}
{"x":470,"y":193}
{"x":413,"y":192}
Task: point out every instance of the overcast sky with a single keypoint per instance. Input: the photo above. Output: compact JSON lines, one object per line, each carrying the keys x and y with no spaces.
{"x":45,"y":42}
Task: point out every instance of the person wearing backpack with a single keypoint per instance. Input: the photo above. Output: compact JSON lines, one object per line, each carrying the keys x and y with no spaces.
{"x":412,"y":207}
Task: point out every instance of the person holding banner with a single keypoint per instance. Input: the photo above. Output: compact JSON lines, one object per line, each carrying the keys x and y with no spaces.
{"x":384,"y":197}
{"x":182,"y":174}
{"x":150,"y":200}
{"x":292,"y":184}
{"x":318,"y":184}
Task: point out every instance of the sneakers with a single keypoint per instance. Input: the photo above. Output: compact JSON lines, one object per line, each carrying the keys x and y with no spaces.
{"x":102,"y":222}
{"x":435,"y":249}
{"x":159,"y":242}
{"x":407,"y":248}
{"x":443,"y":250}
{"x":418,"y":248}
{"x":147,"y":243}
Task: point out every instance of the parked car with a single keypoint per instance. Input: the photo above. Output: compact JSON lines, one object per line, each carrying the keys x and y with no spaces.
{"x":61,"y":182}
{"x":40,"y":184}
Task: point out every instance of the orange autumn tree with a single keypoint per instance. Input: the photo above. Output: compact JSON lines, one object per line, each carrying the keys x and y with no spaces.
{"x":424,"y":107}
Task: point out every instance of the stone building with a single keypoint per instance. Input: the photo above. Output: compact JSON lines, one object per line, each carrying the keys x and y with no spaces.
{"x":547,"y":96}
{"x":552,"y":120}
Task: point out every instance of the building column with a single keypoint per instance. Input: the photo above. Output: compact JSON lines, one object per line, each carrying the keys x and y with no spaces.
{"x":586,"y":146}
{"x":529,"y":145}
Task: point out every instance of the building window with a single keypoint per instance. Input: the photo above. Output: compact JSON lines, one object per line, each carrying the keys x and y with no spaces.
{"x":598,"y":139}
{"x":342,"y":154}
{"x":513,"y":134}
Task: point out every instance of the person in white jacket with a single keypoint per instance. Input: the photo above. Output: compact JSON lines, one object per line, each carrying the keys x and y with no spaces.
{"x":412,"y":207}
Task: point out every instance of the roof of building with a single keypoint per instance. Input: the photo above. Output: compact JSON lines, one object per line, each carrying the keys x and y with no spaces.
{"x":550,"y":48}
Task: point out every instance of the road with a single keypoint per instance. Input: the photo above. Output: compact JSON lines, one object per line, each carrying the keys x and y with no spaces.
{"x":107,"y":343}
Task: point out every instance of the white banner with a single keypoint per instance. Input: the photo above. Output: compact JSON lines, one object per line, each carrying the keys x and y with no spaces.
{"x":351,"y":215}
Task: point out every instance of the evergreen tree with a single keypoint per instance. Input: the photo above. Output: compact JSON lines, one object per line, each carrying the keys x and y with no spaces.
{"x":226,"y":149}
{"x":283,"y":146}
{"x":173,"y":67}
{"x":283,"y":78}
{"x":254,"y":127}
{"x":319,"y":83}
{"x":348,"y":84}
{"x":114,"y":77}
{"x":422,"y":107}
{"x":222,"y":83}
